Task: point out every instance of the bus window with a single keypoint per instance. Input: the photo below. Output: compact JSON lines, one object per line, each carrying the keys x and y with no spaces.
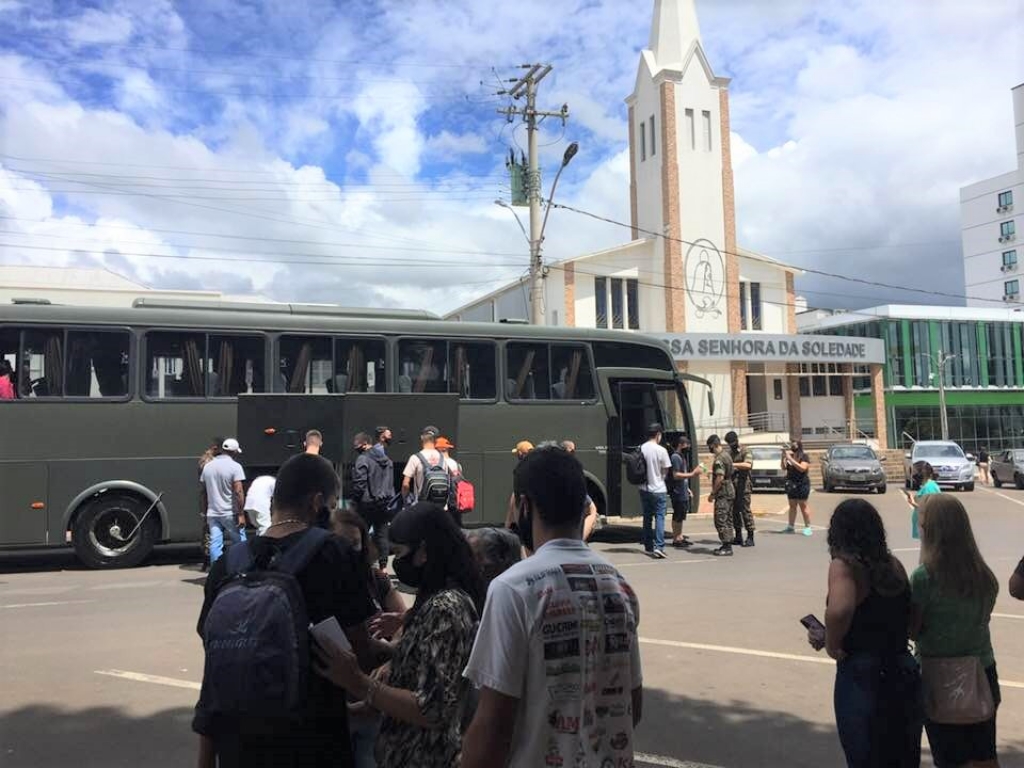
{"x":9,"y":339}
{"x":527,"y":371}
{"x":234,"y":365}
{"x":174,"y":364}
{"x":570,"y":366}
{"x":473,"y":367}
{"x":97,"y":364}
{"x":616,"y":355}
{"x":422,"y":365}
{"x":358,"y":366}
{"x":305,"y":365}
{"x":42,"y":363}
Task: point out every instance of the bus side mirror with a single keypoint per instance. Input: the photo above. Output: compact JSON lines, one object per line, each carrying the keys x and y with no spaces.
{"x":711,"y":403}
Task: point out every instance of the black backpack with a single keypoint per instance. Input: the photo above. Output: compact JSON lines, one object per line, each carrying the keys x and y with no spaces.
{"x":256,"y":636}
{"x":636,"y":467}
{"x":438,"y":487}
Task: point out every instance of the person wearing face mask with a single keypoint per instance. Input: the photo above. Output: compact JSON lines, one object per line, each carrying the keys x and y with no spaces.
{"x":373,"y":487}
{"x":798,"y":484}
{"x":424,"y":699}
{"x":333,"y":583}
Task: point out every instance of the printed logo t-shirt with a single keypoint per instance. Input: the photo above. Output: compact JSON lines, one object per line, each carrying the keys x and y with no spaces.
{"x":219,"y":475}
{"x":657,"y":462}
{"x":559,"y":633}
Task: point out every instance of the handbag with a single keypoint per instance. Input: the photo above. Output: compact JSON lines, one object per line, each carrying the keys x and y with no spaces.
{"x":956,"y":691}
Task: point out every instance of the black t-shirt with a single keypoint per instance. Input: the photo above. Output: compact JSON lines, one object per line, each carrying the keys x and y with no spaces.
{"x":793,"y":475}
{"x":333,"y":584}
{"x":678,"y":489}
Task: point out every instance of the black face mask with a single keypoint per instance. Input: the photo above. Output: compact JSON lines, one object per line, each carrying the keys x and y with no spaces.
{"x":407,"y":572}
{"x":323,"y":518}
{"x":525,"y":526}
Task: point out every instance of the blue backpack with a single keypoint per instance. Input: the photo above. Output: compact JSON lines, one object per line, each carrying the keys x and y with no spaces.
{"x":256,"y":636}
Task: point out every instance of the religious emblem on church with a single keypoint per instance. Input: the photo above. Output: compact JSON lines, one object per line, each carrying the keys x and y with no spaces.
{"x":705,"y":278}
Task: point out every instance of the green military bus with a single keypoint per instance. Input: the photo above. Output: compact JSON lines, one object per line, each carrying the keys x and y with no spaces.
{"x":113,"y":407}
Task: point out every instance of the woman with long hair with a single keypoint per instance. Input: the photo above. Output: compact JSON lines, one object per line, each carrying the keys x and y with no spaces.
{"x":425,"y":694}
{"x":954,"y":593}
{"x":797,"y":464}
{"x":867,"y":628}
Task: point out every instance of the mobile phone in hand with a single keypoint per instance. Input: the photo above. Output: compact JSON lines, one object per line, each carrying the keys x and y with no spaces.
{"x":811,"y":623}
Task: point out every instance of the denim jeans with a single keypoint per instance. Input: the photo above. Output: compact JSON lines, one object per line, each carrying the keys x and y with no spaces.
{"x":654,"y":506}
{"x":363,"y":730}
{"x":879,"y":710}
{"x":223,"y":526}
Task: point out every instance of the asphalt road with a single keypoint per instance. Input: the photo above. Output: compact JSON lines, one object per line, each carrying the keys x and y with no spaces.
{"x":102,"y":669}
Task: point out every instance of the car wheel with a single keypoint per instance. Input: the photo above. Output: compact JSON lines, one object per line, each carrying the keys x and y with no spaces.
{"x":882,"y":488}
{"x":969,"y":487}
{"x":1019,"y":481}
{"x":996,"y":481}
{"x":107,"y":533}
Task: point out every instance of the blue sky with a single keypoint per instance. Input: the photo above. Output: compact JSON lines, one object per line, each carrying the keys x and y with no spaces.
{"x":351,"y":151}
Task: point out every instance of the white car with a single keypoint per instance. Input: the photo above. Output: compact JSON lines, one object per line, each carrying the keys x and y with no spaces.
{"x":767,"y":473}
{"x":953,"y":468}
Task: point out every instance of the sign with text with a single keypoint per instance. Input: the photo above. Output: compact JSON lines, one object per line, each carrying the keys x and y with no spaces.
{"x":770,"y":348}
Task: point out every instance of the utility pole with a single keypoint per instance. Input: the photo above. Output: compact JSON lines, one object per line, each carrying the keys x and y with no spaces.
{"x":943,"y":358}
{"x":526,"y":87}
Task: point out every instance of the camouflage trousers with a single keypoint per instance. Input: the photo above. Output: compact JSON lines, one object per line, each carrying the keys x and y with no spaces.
{"x":742,"y":517}
{"x":723,"y":518}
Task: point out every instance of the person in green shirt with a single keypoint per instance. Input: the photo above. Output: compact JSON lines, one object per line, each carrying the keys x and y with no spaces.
{"x":924,"y":476}
{"x":953,"y":593}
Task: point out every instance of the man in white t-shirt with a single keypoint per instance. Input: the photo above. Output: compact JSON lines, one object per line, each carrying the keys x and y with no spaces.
{"x":257,"y":502}
{"x":412,"y":475}
{"x":654,"y":492}
{"x":556,"y":657}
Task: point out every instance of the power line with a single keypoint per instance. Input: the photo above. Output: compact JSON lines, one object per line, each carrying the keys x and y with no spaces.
{"x":823,"y":273}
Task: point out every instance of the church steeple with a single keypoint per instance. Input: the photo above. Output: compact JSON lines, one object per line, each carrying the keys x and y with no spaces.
{"x":674,"y":29}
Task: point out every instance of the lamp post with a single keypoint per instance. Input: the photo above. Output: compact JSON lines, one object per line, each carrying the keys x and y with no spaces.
{"x":939,"y":361}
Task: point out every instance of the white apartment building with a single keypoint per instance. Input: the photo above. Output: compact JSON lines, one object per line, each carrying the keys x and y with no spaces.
{"x":992,"y":217}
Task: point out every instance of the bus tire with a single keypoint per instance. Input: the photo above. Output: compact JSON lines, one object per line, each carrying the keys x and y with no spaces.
{"x":99,"y":532}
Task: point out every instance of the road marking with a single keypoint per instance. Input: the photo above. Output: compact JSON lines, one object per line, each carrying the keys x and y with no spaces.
{"x":1007,"y":616}
{"x":43,"y":605}
{"x":37,"y":591}
{"x":669,"y":762}
{"x":153,"y":679}
{"x":772,"y":654}
{"x":130,"y":585}
{"x":907,"y":549}
{"x":1003,"y":496}
{"x":663,"y":562}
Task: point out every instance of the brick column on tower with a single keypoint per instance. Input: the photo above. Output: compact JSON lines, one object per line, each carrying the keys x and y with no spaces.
{"x":569,"y":273}
{"x":878,"y":395}
{"x":675,"y":297}
{"x":793,"y":400}
{"x":738,"y":372}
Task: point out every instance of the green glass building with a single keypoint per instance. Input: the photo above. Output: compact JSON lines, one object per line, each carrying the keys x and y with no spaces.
{"x":980,"y":355}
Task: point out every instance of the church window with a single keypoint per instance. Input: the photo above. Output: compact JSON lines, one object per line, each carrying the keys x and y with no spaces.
{"x":617,"y":320}
{"x":744,"y":312}
{"x":691,"y":129}
{"x":643,"y":142}
{"x":601,"y":301}
{"x":633,"y":303}
{"x":755,"y":306}
{"x":653,"y":143}
{"x":707,"y":130}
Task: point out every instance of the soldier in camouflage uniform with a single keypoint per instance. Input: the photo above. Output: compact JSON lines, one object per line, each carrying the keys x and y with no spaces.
{"x":723,"y":495}
{"x":742,"y":517}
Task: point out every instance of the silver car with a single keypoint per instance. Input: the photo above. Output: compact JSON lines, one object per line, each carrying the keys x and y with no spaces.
{"x":953,"y":468}
{"x":1007,"y":467}
{"x":852,"y":466}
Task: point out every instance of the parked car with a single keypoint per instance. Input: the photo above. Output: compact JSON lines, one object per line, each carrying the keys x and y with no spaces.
{"x":852,"y":466}
{"x":953,"y":468}
{"x":767,"y":473}
{"x":1007,"y":467}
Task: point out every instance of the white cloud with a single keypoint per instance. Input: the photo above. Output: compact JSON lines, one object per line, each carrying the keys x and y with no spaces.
{"x":448,"y":146}
{"x":95,"y":26}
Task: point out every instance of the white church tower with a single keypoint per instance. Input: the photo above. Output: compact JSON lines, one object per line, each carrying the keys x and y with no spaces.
{"x":681,"y":182}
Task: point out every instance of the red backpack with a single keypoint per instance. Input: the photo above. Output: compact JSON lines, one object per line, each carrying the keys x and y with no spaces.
{"x":465,"y":496}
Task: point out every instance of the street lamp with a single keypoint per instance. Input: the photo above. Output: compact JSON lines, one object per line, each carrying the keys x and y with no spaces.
{"x":570,"y":153}
{"x":939,"y":361}
{"x":519,"y":221}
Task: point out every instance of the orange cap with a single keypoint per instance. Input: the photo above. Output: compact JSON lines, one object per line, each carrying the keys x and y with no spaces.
{"x":443,"y":444}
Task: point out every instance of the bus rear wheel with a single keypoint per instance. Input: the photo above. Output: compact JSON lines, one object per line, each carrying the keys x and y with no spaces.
{"x":108,"y":534}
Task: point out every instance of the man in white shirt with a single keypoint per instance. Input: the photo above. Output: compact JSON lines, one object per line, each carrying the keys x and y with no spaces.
{"x":412,"y":475}
{"x":257,"y":502}
{"x":654,"y":492}
{"x":556,"y":658}
{"x":223,"y":497}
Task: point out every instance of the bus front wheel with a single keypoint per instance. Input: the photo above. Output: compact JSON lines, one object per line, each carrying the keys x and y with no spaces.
{"x":110,"y":532}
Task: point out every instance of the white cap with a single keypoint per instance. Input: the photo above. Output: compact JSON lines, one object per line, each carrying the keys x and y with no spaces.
{"x":231,"y":445}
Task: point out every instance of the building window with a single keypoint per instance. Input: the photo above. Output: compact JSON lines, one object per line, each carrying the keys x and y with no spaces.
{"x":1009,"y":258}
{"x":1007,"y":230}
{"x":1011,"y":288}
{"x":617,"y":315}
{"x":1006,"y":199}
{"x":755,"y":306}
{"x":777,"y":388}
{"x":643,"y":142}
{"x":653,"y":143}
{"x":601,"y":301}
{"x":691,"y":129}
{"x":821,"y":380}
{"x":744,"y":313}
{"x":707,"y":130}
{"x":633,"y":303}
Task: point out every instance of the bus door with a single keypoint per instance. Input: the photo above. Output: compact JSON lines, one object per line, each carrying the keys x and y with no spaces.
{"x":637,"y":406}
{"x":23,"y":504}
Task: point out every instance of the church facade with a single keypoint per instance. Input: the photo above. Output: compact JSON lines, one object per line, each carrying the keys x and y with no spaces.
{"x":683,"y":276}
